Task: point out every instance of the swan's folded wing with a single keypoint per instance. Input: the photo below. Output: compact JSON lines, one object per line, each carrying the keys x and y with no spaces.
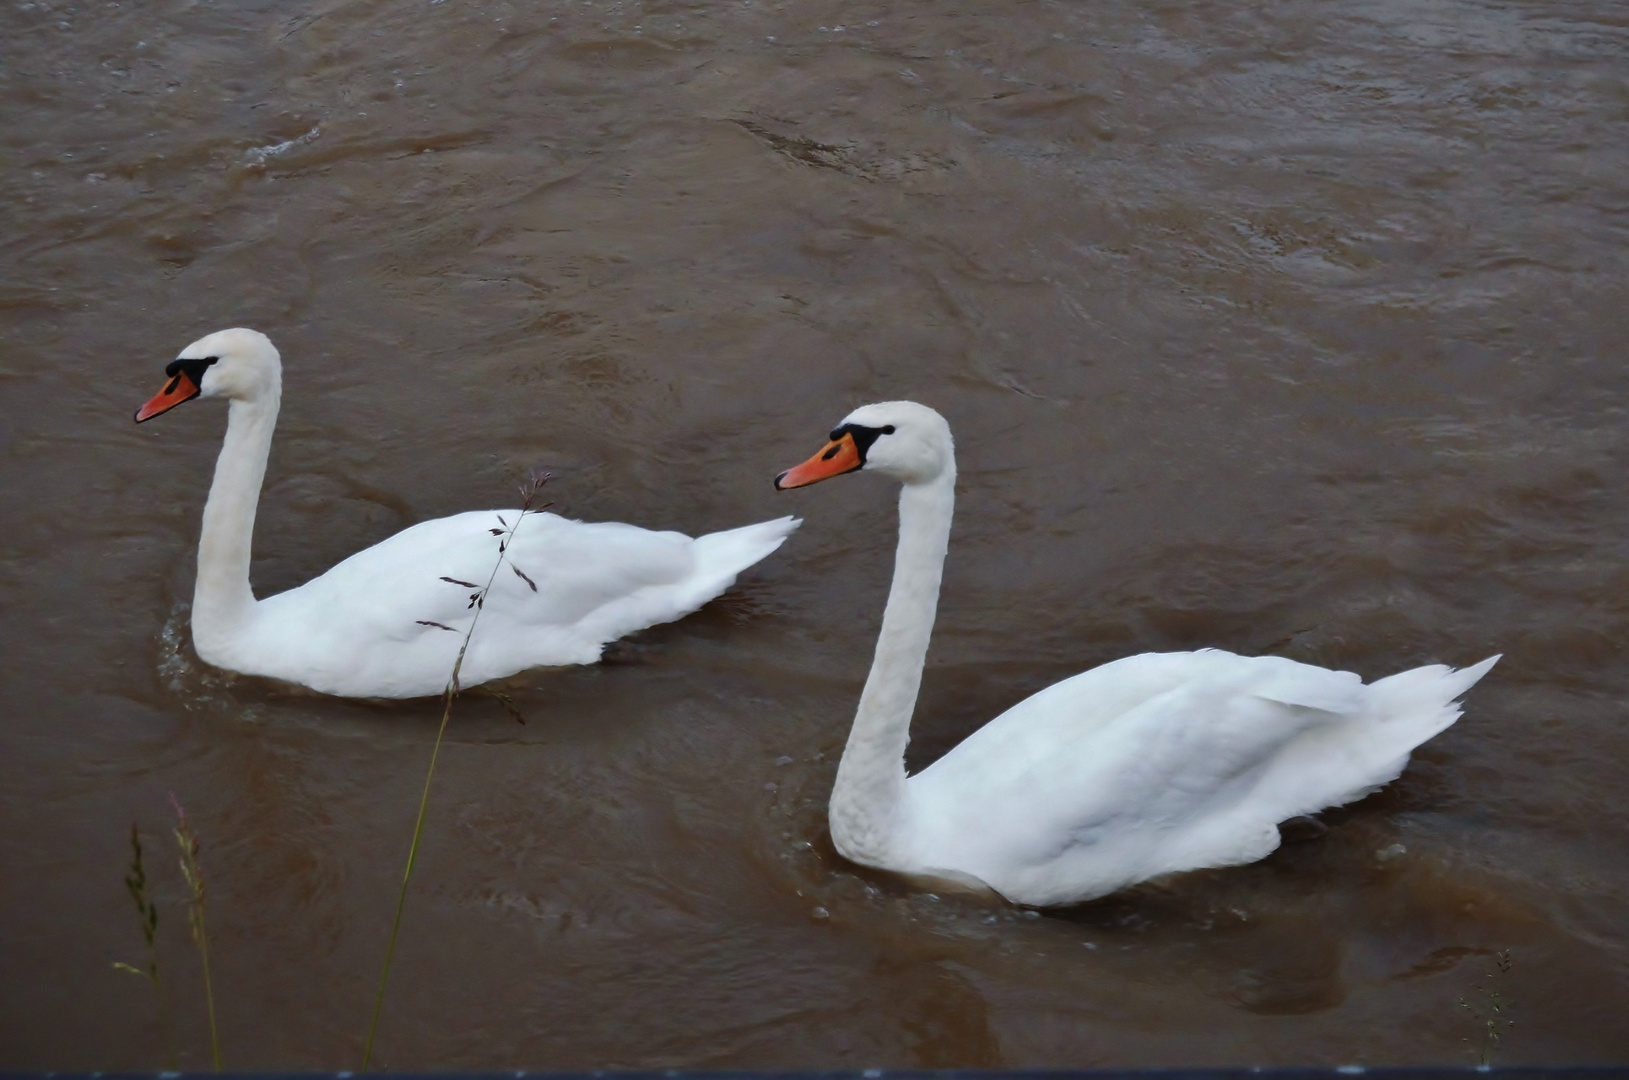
{"x":395,"y":614}
{"x":579,"y":567}
{"x":1124,"y":762}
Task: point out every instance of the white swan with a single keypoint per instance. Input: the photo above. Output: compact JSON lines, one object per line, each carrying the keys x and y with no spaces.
{"x":388,"y":621}
{"x":1144,"y":766}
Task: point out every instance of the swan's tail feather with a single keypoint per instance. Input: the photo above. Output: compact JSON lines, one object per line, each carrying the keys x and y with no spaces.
{"x":1342,"y":763}
{"x":1425,"y":698}
{"x":721,"y":556}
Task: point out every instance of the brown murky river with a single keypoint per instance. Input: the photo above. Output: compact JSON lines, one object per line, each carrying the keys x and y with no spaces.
{"x":1291,"y":327}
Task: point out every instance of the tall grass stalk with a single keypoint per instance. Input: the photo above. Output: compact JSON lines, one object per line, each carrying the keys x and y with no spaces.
{"x":135,"y":882}
{"x":477,"y":600}
{"x":194,"y":874}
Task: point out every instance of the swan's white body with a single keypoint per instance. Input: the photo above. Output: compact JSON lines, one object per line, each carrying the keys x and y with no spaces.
{"x":1145,"y":766}
{"x":386,"y":622}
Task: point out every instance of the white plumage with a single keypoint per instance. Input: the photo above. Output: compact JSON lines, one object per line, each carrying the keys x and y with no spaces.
{"x":1145,"y":766}
{"x":364,"y":628}
{"x":1164,"y":762}
{"x":386,"y":622}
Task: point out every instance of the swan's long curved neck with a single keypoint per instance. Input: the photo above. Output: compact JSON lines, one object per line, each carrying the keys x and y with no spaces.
{"x":222,"y":601}
{"x":867,"y":798}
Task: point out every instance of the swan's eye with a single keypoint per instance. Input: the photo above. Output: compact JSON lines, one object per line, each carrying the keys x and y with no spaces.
{"x":888,"y":429}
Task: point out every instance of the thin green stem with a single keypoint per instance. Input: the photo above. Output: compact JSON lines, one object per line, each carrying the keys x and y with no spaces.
{"x":407,"y":875}
{"x":163,"y":1020}
{"x":194,"y":874}
{"x":209,"y":994}
{"x":451,"y":693}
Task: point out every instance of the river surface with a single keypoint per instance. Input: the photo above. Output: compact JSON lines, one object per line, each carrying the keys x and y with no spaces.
{"x":1293,"y":327}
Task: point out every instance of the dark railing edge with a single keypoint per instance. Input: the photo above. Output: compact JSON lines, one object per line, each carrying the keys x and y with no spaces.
{"x":1343,"y":1072}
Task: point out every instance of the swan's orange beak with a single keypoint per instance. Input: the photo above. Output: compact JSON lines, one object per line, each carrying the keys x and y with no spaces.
{"x":180,"y":388}
{"x":838,"y":457}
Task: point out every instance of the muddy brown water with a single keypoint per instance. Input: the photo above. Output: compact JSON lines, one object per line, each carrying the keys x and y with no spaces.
{"x":1293,"y":327}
